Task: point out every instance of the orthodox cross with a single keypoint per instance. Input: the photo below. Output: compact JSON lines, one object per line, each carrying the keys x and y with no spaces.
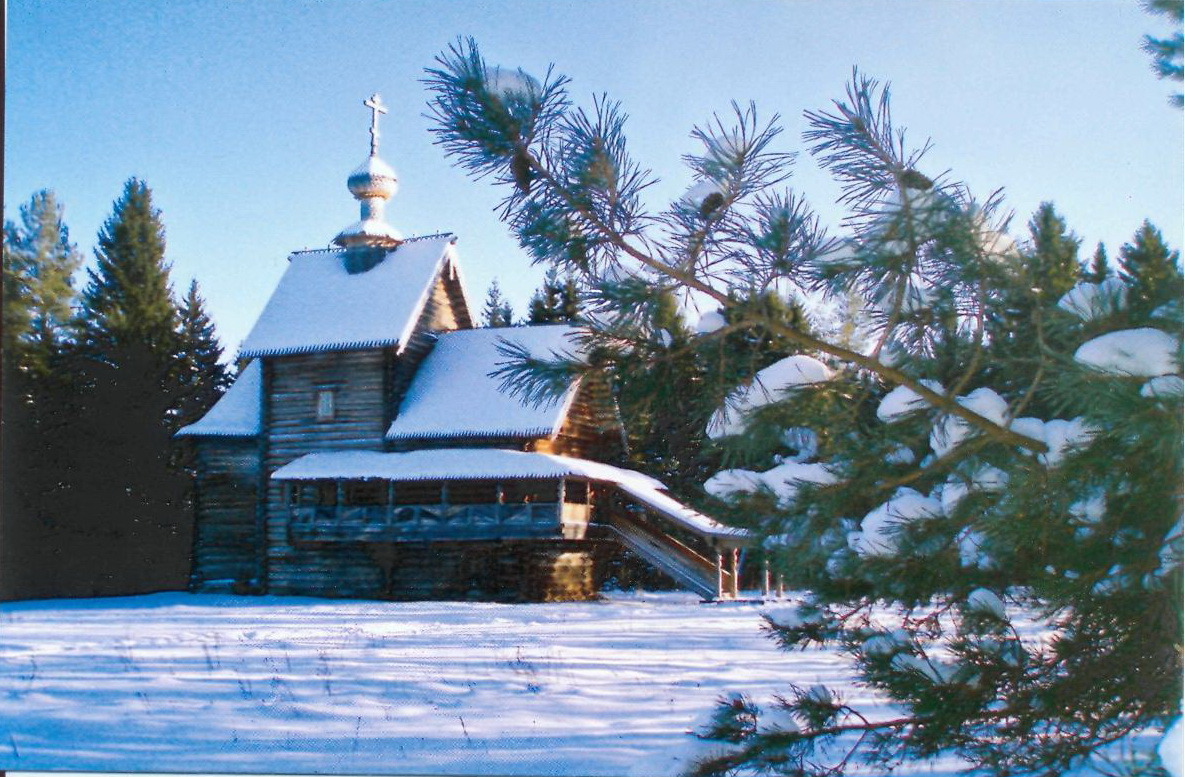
{"x":375,"y":104}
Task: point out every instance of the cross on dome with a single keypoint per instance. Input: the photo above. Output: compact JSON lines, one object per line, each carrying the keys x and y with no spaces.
{"x":375,"y":104}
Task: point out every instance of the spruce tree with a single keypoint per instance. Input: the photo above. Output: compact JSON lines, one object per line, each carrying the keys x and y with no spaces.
{"x":202,"y":377}
{"x":497,"y":311}
{"x":1052,"y":262}
{"x":1035,"y":278}
{"x":921,"y":497}
{"x":127,"y":498}
{"x":1151,"y":271}
{"x":127,"y":301}
{"x":555,"y":302}
{"x":1099,"y":269}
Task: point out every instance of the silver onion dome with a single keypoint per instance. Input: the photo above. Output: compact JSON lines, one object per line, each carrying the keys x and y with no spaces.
{"x":372,"y":184}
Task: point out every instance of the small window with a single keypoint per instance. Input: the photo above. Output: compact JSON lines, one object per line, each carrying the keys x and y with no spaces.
{"x":325,"y":405}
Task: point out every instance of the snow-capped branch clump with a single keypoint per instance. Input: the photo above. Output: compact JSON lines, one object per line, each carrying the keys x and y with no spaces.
{"x":1089,"y":510}
{"x":948,"y":494}
{"x":779,"y":719}
{"x":769,"y":385}
{"x":730,"y":481}
{"x":787,"y":478}
{"x":902,"y":401}
{"x":986,"y":602}
{"x":709,"y":322}
{"x":878,"y":529}
{"x":1163,"y":387}
{"x":1090,"y":301}
{"x":784,"y":480}
{"x":937,"y":672}
{"x":950,"y":431}
{"x":705,"y":196}
{"x":1059,"y":435}
{"x":804,"y":441}
{"x":1143,"y":353}
{"x":1063,"y":437}
{"x":509,"y":84}
{"x":971,"y":553}
{"x":795,"y":616}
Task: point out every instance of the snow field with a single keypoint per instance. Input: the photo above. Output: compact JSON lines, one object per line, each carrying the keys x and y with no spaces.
{"x":178,"y":682}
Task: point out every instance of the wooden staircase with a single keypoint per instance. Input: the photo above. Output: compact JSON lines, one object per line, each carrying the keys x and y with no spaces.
{"x":711,"y":569}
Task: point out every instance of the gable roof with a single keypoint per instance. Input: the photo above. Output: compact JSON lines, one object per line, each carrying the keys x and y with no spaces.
{"x":454,"y":395}
{"x":236,"y":413}
{"x":319,"y":305}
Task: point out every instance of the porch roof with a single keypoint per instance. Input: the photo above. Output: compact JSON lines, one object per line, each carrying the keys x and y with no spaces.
{"x":495,"y":464}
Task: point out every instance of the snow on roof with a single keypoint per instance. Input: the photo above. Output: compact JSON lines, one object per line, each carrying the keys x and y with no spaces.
{"x":319,"y":305}
{"x":493,"y":464}
{"x":236,"y":413}
{"x":453,"y":394}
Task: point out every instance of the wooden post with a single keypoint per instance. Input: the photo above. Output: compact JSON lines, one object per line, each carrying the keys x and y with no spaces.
{"x":559,"y":508}
{"x":736,"y":573}
{"x":719,"y":575}
{"x":781,"y":586}
{"x":765,"y":579}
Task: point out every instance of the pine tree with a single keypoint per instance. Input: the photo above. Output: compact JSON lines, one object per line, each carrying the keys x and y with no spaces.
{"x":555,"y":302}
{"x":1150,"y":269}
{"x":497,"y":311}
{"x":1167,"y":53}
{"x":1099,"y":269}
{"x":37,"y":393}
{"x":920,"y":496}
{"x":39,"y":265}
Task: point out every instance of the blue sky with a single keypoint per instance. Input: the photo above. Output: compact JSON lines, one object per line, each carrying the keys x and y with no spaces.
{"x":245,"y":117}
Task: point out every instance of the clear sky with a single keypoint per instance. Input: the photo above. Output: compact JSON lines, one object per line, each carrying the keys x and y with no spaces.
{"x":245,"y":117}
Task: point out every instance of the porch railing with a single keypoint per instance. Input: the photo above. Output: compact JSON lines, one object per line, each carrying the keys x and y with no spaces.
{"x":415,"y":523}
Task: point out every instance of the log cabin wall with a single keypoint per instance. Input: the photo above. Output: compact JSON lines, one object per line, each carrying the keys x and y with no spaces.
{"x":509,"y":571}
{"x":227,"y":541}
{"x":592,"y":429}
{"x":359,"y":382}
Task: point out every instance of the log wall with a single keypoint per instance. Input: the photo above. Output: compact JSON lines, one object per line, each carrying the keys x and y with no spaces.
{"x":227,"y":543}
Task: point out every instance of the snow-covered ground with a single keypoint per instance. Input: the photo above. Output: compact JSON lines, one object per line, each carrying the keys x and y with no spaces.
{"x":193,"y":683}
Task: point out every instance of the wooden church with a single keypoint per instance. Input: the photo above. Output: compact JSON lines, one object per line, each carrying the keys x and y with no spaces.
{"x":365,"y":449}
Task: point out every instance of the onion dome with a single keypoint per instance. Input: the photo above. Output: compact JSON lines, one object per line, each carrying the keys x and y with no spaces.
{"x":372,"y":184}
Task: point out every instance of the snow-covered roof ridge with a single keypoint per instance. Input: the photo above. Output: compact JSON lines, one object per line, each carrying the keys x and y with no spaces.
{"x":454,"y":393}
{"x":236,"y":413}
{"x":491,"y":464}
{"x":320,"y":305}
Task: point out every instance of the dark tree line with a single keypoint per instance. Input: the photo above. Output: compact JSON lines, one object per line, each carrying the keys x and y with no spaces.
{"x":95,"y":496}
